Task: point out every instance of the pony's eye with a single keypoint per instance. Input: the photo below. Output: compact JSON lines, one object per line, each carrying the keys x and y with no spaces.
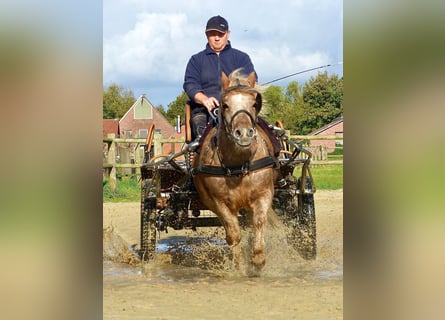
{"x":225,"y":106}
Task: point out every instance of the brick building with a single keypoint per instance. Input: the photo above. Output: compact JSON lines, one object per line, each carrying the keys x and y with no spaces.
{"x":140,"y":116}
{"x":333,"y":128}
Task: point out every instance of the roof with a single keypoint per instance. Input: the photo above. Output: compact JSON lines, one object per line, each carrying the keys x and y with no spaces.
{"x":327,"y":126}
{"x":141,"y":115}
{"x":110,"y":126}
{"x":181,"y":134}
{"x":138,"y":101}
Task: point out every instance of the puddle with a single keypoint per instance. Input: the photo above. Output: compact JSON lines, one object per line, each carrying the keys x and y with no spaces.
{"x":190,"y":259}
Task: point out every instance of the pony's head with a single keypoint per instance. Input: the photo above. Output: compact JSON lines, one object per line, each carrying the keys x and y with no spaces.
{"x":241,"y":103}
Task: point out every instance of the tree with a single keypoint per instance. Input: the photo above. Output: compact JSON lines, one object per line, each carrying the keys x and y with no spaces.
{"x":176,"y":108}
{"x":161,"y":109}
{"x":116,"y":101}
{"x":294,"y":114}
{"x":274,"y":102}
{"x":284,"y":106}
{"x":322,"y":101}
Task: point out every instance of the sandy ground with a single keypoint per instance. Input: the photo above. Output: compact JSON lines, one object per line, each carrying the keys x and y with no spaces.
{"x":176,"y":288}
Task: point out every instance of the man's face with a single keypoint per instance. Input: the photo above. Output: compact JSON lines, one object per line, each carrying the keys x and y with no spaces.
{"x":217,"y":40}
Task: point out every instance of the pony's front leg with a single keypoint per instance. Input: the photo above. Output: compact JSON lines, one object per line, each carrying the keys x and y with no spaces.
{"x":233,"y":238}
{"x":259,"y":220}
{"x":239,"y":260}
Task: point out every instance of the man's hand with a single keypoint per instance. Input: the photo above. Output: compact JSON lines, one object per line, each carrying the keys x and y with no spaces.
{"x":209,"y":102}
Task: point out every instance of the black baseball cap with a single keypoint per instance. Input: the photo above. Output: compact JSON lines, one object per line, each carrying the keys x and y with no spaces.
{"x":217,"y":23}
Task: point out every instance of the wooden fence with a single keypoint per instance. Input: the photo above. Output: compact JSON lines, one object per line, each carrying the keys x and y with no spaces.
{"x":319,"y":152}
{"x":123,"y":157}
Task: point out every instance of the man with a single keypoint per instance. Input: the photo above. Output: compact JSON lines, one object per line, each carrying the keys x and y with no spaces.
{"x":202,"y":80}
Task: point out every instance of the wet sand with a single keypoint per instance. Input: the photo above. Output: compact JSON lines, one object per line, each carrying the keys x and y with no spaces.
{"x":195,"y":280}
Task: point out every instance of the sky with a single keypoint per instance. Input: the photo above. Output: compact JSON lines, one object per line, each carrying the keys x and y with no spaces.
{"x":147,"y":43}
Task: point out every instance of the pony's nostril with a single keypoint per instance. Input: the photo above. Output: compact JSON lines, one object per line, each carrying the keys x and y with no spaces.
{"x":237,"y":133}
{"x":250,"y":133}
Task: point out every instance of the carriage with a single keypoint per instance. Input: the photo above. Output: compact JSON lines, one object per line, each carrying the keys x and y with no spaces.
{"x":170,"y":199}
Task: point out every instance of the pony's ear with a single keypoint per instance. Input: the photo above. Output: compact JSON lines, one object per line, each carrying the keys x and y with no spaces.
{"x":258,"y":102}
{"x":224,"y":81}
{"x":251,"y":79}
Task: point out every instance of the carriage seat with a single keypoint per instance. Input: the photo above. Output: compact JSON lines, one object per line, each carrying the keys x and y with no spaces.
{"x":188,"y":124}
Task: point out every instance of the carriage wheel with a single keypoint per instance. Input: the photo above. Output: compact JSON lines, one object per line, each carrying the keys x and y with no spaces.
{"x":148,"y":219}
{"x":305,"y":232}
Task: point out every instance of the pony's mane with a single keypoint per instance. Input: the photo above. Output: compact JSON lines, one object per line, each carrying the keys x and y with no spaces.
{"x":238,"y":75}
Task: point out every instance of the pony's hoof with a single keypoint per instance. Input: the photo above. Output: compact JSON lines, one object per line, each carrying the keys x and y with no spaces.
{"x":255,"y":270}
{"x":259,"y":262}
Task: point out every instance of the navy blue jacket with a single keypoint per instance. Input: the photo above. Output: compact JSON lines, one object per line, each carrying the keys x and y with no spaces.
{"x":203,"y":72}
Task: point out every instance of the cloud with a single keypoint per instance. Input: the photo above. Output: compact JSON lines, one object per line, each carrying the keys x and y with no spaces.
{"x":153,"y":49}
{"x":274,"y":62}
{"x":147,"y":44}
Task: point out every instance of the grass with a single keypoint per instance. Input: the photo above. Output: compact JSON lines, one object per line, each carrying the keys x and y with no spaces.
{"x":337,"y":154}
{"x":326,"y":177}
{"x":127,"y":190}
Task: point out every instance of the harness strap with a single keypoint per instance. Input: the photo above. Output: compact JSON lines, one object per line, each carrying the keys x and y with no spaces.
{"x":238,"y":170}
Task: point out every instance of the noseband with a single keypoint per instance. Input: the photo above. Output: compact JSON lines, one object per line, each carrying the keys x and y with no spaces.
{"x":229,"y":125}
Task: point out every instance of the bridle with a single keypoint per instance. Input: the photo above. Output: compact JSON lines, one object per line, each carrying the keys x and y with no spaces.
{"x":249,"y":165}
{"x":228,"y":125}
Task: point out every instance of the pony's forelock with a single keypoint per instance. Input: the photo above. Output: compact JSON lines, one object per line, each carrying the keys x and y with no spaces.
{"x":244,"y":80}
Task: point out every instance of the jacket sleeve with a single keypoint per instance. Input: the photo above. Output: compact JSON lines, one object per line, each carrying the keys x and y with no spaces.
{"x":248,"y":66}
{"x":192,"y":78}
{"x":243,"y":61}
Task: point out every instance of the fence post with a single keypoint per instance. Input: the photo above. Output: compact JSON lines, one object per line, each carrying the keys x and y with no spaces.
{"x":157,"y":145}
{"x":324,"y":153}
{"x":112,"y":159}
{"x":139,"y":154}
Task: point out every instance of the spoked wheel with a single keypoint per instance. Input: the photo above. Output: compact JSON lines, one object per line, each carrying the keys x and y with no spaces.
{"x":148,"y":219}
{"x":305,"y":231}
{"x":297,"y":211}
